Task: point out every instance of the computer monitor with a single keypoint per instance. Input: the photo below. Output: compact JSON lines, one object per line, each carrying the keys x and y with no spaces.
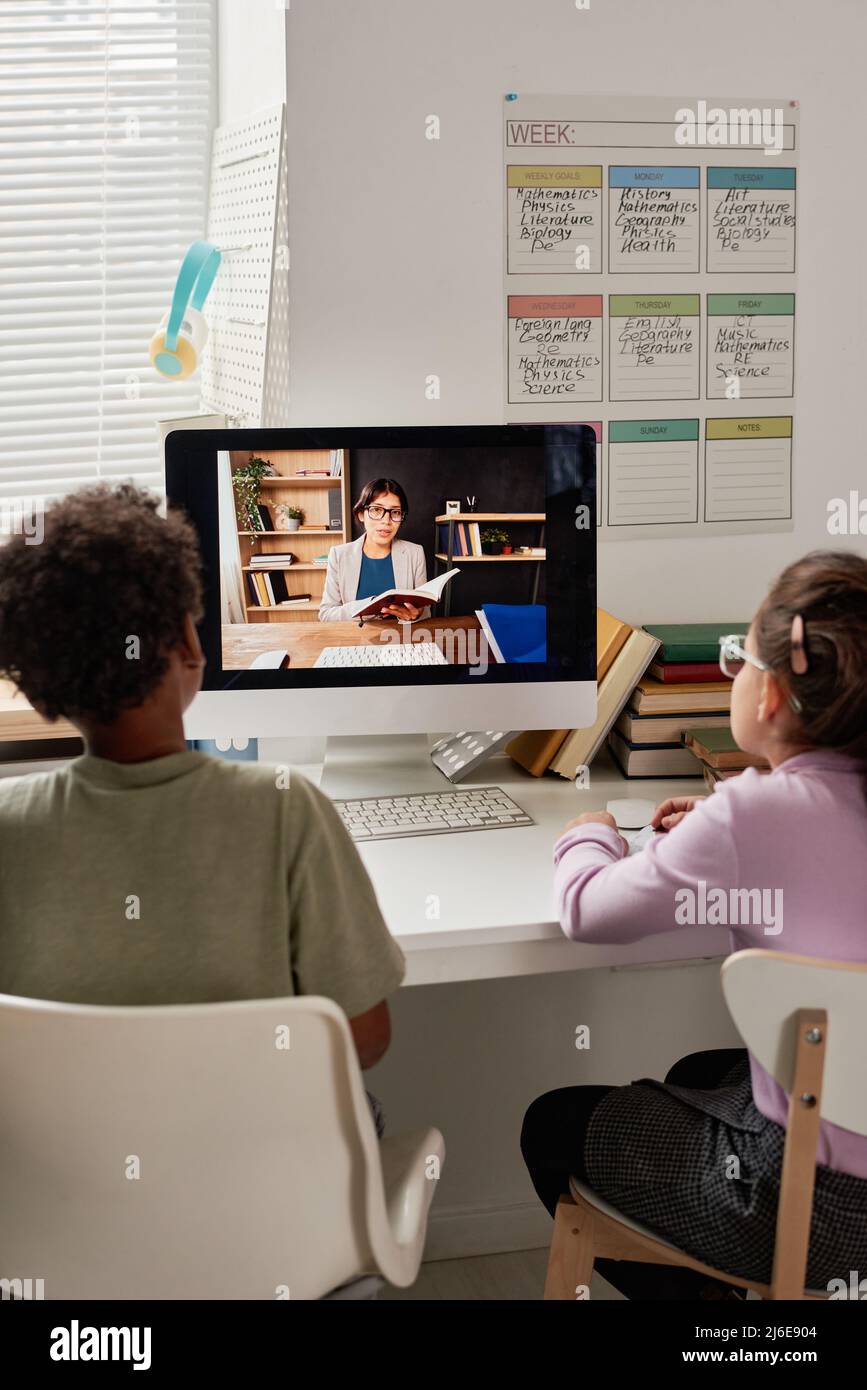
{"x":509,"y":644}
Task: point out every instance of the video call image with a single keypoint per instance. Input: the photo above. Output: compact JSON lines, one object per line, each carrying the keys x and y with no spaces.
{"x":382,"y":557}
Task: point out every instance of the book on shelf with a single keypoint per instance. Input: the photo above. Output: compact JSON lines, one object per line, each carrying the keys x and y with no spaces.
{"x":276,"y":559}
{"x":265,"y":516}
{"x":336,"y":463}
{"x":717,"y":749}
{"x":267,"y":589}
{"x":466,"y":538}
{"x":677,"y":672}
{"x":653,"y":697}
{"x":310,"y":473}
{"x":648,"y":730}
{"x":691,"y":641}
{"x":665,"y":760}
{"x":295,"y":601}
{"x":582,"y":745}
{"x":321,"y":560}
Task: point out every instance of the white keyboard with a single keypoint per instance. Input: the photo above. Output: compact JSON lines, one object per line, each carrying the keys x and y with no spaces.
{"x":432,"y":813}
{"x":396,"y":654}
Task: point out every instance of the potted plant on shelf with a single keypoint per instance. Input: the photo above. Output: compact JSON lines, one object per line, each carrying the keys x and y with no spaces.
{"x":289,"y":518}
{"x":247,"y":481}
{"x":493,"y":540}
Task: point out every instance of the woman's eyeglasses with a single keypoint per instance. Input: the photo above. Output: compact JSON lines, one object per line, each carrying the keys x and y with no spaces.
{"x":376,"y":513}
{"x":733,"y":656}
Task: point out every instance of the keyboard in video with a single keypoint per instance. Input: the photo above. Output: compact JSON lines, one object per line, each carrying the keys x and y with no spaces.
{"x":402,"y":654}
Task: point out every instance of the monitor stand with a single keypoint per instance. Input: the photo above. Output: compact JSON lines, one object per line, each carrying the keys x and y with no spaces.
{"x":381,"y":765}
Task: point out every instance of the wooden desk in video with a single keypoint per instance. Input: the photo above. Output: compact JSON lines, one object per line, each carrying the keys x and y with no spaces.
{"x":243,"y":642}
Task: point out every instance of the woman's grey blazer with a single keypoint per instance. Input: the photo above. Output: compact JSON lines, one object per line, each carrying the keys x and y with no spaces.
{"x":344,"y":568}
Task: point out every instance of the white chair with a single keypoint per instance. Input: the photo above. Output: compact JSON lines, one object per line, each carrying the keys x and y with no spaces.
{"x":805,"y":1021}
{"x":187,"y":1152}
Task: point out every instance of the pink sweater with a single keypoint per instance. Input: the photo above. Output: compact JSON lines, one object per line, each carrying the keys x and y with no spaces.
{"x":799,"y":834}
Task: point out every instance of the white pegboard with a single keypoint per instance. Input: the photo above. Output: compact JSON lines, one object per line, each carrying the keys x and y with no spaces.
{"x":245,"y":362}
{"x":276,"y":404}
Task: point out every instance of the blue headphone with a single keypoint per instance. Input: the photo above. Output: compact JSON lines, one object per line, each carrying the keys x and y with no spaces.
{"x":176,"y":347}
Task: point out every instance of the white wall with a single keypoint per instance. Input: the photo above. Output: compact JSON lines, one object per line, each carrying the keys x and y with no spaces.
{"x":251,"y":50}
{"x":396,"y":241}
{"x":396,"y":272}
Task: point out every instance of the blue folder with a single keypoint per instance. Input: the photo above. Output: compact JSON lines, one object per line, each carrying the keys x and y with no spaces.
{"x":519,"y":629}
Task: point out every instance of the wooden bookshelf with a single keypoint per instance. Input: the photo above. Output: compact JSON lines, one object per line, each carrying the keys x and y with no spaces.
{"x":315,"y":537}
{"x":446,"y":559}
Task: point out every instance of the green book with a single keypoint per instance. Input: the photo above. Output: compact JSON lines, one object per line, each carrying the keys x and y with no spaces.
{"x":691,"y":641}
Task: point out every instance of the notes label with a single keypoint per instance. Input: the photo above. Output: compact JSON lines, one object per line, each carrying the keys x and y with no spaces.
{"x":748,"y":469}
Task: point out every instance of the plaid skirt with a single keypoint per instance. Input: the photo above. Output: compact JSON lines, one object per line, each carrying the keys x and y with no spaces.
{"x":701,"y":1168}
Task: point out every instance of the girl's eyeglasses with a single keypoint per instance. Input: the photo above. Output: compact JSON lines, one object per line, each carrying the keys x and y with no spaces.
{"x":733,"y":656}
{"x":376,"y":513}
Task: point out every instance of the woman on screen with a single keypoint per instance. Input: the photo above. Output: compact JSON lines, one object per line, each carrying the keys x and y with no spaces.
{"x":377,"y":561}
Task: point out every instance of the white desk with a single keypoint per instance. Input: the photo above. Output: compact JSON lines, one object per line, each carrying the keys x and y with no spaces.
{"x":494,"y":887}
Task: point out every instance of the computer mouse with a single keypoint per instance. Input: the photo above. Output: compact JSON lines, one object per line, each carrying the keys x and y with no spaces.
{"x":631,"y":814}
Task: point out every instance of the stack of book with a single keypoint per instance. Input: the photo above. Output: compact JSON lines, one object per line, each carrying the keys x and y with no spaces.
{"x":718,"y":754}
{"x":334,"y":469}
{"x":623,"y":654}
{"x":266,"y":582}
{"x":683,"y":688}
{"x":275,"y":559}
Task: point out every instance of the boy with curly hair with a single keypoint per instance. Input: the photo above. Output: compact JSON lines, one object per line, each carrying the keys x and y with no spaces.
{"x":143,"y":872}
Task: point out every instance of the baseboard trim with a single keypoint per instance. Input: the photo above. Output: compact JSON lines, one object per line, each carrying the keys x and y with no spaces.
{"x":454,"y":1233}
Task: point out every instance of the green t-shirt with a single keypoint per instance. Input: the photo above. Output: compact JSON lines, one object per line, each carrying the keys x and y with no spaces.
{"x":186,"y":879}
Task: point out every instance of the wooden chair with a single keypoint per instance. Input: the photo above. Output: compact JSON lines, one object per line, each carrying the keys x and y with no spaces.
{"x":805,"y":1021}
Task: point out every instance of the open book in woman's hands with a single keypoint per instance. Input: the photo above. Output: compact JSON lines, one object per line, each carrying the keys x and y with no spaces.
{"x":429,"y":592}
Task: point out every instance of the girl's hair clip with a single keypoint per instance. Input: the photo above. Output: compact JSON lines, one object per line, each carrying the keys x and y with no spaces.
{"x":798,"y":653}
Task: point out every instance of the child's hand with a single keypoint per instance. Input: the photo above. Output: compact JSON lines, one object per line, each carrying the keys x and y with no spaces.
{"x":670,"y":813}
{"x":594,"y":818}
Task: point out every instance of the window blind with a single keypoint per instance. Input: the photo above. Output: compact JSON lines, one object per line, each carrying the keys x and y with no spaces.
{"x":105,"y":133}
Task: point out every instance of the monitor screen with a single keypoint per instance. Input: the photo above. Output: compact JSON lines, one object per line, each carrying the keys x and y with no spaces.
{"x":348,"y":558}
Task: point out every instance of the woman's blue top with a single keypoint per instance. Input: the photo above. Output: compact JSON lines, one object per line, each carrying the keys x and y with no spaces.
{"x":376,"y":576}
